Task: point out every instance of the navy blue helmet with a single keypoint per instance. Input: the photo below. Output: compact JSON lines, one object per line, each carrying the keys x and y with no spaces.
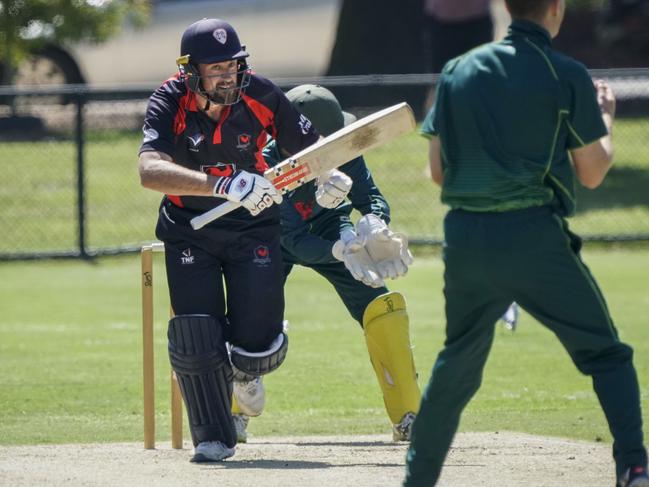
{"x":213,"y":41}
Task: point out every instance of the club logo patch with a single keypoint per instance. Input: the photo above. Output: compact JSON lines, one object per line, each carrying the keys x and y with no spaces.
{"x":304,"y":209}
{"x":220,"y":35}
{"x":243,"y":141}
{"x":305,"y":124}
{"x":187,"y":257}
{"x":261,"y":256}
{"x":195,"y":140}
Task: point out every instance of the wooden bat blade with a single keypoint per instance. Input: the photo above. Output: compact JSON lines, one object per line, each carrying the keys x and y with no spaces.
{"x":342,"y":146}
{"x":328,"y":153}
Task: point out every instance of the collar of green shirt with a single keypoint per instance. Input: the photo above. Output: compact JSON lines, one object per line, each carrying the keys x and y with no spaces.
{"x":531,"y":30}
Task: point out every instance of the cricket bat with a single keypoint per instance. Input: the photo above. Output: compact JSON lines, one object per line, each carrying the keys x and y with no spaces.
{"x":328,"y":153}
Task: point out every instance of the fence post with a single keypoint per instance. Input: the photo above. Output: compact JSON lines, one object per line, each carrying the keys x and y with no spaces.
{"x":81,"y":178}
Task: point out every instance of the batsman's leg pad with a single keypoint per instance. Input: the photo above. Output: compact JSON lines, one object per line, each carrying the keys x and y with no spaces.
{"x":198,"y":355}
{"x":248,"y":365}
{"x":386,"y":327}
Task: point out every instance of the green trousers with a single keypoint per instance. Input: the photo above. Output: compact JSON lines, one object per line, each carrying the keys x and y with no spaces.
{"x":528,"y":256}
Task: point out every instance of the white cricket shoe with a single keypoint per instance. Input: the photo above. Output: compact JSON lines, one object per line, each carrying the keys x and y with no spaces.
{"x":211,"y":451}
{"x":251,"y":396}
{"x":402,"y":431}
{"x":240,"y":425}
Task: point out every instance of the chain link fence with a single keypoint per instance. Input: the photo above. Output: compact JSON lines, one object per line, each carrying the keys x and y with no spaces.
{"x":71,"y":188}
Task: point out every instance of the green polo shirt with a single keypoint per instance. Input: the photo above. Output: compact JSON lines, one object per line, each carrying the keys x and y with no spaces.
{"x":506,"y":114}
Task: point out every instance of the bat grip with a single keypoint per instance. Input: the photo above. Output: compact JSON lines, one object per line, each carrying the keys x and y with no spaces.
{"x":200,"y":221}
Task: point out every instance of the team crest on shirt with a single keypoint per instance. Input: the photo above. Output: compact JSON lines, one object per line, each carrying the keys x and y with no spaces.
{"x":220,"y":35}
{"x":195,"y":141}
{"x":261,"y":256}
{"x":304,"y":209}
{"x":243,"y":141}
{"x":305,"y":124}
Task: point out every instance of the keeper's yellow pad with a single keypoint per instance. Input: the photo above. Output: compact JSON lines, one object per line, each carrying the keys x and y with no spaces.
{"x":235,"y":406}
{"x":385,"y":322}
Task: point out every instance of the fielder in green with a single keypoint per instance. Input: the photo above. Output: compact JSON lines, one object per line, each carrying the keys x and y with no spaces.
{"x":513,"y":123}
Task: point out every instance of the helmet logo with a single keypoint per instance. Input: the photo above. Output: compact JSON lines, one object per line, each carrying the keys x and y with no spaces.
{"x":220,"y":35}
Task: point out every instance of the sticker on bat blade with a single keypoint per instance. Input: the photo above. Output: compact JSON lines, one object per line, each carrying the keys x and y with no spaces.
{"x":291,"y":176}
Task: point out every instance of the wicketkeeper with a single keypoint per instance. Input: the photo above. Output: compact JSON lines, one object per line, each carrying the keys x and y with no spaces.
{"x":317,"y":232}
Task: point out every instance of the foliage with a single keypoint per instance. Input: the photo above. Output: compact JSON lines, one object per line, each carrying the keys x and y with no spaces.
{"x":27,"y":25}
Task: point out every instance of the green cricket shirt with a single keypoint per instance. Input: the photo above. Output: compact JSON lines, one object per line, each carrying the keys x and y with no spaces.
{"x":506,"y":114}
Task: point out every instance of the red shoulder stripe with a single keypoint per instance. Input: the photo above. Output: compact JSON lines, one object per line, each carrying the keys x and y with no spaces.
{"x":263,"y":113}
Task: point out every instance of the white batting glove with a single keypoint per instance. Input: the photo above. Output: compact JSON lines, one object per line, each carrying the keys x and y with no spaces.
{"x":333,"y":187}
{"x":254,"y":192}
{"x":388,"y":250}
{"x":351,"y":251}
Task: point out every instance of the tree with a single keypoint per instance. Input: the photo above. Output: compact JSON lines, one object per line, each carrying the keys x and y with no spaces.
{"x":378,"y":36}
{"x":30,"y":26}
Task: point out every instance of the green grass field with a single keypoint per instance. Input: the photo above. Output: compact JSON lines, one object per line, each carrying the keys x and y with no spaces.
{"x":38,"y":210}
{"x":70,"y":360}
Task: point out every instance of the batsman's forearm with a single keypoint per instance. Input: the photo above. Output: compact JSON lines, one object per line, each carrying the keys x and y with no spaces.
{"x":171,"y":178}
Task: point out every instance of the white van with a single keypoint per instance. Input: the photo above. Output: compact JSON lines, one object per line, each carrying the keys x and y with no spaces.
{"x":285,"y":38}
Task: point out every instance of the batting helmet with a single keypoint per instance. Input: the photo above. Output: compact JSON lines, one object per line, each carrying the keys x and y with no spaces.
{"x":213,"y":41}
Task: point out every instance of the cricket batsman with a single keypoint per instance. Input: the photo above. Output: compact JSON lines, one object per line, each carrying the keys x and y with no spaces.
{"x":204,"y":131}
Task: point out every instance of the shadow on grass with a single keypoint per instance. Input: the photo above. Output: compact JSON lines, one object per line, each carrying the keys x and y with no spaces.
{"x":623,"y":187}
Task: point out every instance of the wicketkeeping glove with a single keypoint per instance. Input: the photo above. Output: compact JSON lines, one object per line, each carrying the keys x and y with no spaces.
{"x":254,"y":192}
{"x":332,"y":189}
{"x":387,"y":249}
{"x":351,"y":251}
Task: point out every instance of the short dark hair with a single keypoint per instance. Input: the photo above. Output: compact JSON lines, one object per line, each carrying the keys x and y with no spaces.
{"x":528,"y":9}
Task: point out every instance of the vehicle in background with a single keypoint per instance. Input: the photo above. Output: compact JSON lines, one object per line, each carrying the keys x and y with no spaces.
{"x":285,"y":38}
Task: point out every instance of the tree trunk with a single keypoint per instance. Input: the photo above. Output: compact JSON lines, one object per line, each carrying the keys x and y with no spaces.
{"x":378,"y":36}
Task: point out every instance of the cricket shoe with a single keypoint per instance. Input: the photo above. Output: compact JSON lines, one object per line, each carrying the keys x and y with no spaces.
{"x":402,"y":431}
{"x":211,"y":451}
{"x":635,"y":477}
{"x":251,"y":396}
{"x":240,"y":425}
{"x":510,"y":318}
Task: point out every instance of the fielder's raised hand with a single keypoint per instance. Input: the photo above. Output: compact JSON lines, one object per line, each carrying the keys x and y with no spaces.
{"x":254,"y":192}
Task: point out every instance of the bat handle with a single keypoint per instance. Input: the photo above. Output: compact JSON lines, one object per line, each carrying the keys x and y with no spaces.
{"x":200,"y":221}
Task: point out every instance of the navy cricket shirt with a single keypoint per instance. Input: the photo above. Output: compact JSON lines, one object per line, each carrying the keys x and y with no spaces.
{"x":175,"y":126}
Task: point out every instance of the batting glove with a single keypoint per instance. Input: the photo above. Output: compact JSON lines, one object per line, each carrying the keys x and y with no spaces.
{"x":333,"y":187}
{"x":254,"y":192}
